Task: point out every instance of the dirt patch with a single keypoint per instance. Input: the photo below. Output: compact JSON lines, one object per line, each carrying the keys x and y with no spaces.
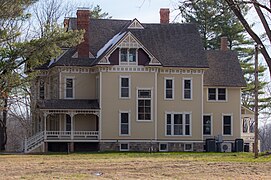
{"x":92,"y":167}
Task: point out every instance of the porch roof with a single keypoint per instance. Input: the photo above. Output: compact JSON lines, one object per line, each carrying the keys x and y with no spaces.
{"x":68,"y":104}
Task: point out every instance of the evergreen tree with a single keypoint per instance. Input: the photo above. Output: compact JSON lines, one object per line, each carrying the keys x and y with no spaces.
{"x":215,"y":20}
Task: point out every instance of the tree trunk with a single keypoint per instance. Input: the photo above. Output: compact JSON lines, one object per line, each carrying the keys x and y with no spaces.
{"x":3,"y":129}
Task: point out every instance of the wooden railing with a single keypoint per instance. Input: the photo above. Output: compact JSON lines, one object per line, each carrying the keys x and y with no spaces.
{"x":69,"y":135}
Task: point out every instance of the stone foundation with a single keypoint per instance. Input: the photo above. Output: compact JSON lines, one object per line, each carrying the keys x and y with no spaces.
{"x":150,"y":146}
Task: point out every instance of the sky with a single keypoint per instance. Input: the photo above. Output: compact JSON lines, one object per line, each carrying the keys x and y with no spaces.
{"x":146,"y":11}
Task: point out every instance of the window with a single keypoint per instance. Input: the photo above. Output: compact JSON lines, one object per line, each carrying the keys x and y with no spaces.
{"x":178,"y":124}
{"x":68,"y":123}
{"x":169,"y":88}
{"x":128,"y":56}
{"x":69,"y":88}
{"x":42,"y":89}
{"x":227,"y":124}
{"x":124,"y":147}
{"x":187,"y":89}
{"x":221,"y":94}
{"x":163,"y":147}
{"x":207,"y":125}
{"x":246,"y":124}
{"x":144,"y":105}
{"x":124,"y":87}
{"x":212,"y":94}
{"x":124,"y":123}
{"x":217,"y":94}
{"x":188,"y":147}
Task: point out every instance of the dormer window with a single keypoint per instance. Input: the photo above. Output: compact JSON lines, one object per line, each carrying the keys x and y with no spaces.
{"x":128,"y":56}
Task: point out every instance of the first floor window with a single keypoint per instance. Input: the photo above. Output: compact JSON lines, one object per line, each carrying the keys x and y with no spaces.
{"x":69,"y":88}
{"x":144,"y":105}
{"x":187,"y":89}
{"x":124,"y":123}
{"x":227,"y":125}
{"x":68,"y":123}
{"x":42,"y":89}
{"x":207,"y":125}
{"x":178,"y":124}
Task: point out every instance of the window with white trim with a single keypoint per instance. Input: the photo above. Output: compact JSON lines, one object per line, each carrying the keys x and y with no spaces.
{"x":169,"y":89}
{"x":144,"y":102}
{"x":163,"y":147}
{"x":227,"y":125}
{"x":217,"y":94}
{"x":41,"y":89}
{"x":207,"y":125}
{"x":125,"y":87}
{"x":124,"y":146}
{"x":188,"y":147}
{"x":178,"y":124}
{"x":69,"y":88}
{"x":124,"y":123}
{"x":187,"y":89}
{"x":128,"y":56}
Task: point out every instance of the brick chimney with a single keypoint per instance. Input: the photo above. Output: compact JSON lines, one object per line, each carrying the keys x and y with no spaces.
{"x":164,"y":16}
{"x":83,"y":16}
{"x":224,"y":43}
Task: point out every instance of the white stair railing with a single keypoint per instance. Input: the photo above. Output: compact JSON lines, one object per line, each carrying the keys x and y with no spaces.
{"x":34,"y":141}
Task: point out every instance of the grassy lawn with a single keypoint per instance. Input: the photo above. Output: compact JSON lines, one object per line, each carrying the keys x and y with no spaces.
{"x":135,"y":166}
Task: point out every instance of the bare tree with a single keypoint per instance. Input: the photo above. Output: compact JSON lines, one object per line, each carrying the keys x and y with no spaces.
{"x":263,"y":9}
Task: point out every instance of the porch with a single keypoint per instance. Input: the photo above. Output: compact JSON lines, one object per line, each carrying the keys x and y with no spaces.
{"x":75,"y":136}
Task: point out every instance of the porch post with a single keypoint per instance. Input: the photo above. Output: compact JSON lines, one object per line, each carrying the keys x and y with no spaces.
{"x":72,"y":125}
{"x":44,"y":120}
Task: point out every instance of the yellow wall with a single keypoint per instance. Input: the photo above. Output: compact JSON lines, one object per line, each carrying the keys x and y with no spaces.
{"x":231,"y":106}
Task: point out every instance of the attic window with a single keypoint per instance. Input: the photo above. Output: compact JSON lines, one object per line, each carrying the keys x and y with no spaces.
{"x":128,"y":56}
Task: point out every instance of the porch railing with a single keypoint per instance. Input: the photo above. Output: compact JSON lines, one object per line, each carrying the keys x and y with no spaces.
{"x":68,"y":135}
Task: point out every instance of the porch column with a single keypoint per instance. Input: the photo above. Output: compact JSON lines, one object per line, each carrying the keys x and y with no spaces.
{"x":44,"y":120}
{"x":72,"y":125}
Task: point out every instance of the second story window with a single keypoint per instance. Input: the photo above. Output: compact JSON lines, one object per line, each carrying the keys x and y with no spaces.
{"x":124,"y":87}
{"x":69,"y":88}
{"x":187,"y":89}
{"x":144,"y":105}
{"x":169,"y":89}
{"x":217,"y":94}
{"x":42,"y":89}
{"x":128,"y":56}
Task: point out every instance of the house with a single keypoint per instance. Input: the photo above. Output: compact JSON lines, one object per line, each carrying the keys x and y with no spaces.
{"x":132,"y":86}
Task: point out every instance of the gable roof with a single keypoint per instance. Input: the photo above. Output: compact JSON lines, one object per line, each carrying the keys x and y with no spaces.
{"x":225,"y":69}
{"x":174,"y":45}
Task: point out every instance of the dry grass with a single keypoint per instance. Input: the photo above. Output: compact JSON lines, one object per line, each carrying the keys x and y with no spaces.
{"x":135,"y":166}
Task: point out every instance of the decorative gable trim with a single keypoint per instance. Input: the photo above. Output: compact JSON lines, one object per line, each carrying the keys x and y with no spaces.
{"x":75,"y":55}
{"x":135,"y":24}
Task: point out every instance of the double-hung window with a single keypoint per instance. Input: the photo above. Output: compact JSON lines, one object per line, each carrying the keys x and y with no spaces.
{"x":125,"y":87}
{"x":41,"y":89}
{"x":124,"y":123}
{"x":178,"y":124}
{"x":227,"y":125}
{"x":128,"y":56}
{"x":69,"y":88}
{"x":144,"y":102}
{"x":207,"y":125}
{"x":217,"y":94}
{"x":187,"y":89}
{"x":169,"y":89}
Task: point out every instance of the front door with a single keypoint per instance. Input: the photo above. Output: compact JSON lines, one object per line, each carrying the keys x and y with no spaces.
{"x":68,"y":125}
